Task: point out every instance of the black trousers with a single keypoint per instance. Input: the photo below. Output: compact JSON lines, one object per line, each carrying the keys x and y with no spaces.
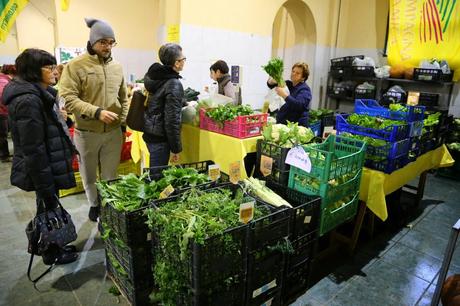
{"x":4,"y":151}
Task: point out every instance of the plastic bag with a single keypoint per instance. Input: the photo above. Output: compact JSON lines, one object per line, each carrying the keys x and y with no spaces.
{"x":366,"y":61}
{"x":382,"y":72}
{"x":188,"y":114}
{"x":274,"y":100}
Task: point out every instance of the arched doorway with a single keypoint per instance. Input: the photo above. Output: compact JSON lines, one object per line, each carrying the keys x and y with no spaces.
{"x":294,"y":39}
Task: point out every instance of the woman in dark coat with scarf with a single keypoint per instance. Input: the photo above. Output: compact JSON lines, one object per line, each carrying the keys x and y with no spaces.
{"x":162,"y":118}
{"x":42,"y":160}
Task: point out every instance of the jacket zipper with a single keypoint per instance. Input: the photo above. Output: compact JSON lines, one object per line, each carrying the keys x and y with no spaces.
{"x":105,"y":88}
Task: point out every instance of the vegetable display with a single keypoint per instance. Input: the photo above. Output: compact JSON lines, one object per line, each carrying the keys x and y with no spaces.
{"x":131,"y":192}
{"x":258,"y":189}
{"x":372,"y":122}
{"x":455,"y":146}
{"x":274,"y":69}
{"x":228,"y":112}
{"x":287,"y":136}
{"x":317,"y":114}
{"x":194,"y":217}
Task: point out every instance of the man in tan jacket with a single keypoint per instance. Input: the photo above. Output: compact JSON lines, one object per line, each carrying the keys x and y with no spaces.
{"x":94,"y":89}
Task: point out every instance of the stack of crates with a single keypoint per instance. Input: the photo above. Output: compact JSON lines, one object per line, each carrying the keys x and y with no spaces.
{"x":128,"y":244}
{"x":399,"y":138}
{"x":303,"y":236}
{"x":336,"y":167}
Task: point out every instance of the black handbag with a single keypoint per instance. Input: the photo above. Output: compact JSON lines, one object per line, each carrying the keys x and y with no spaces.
{"x":52,"y":226}
{"x":135,"y":118}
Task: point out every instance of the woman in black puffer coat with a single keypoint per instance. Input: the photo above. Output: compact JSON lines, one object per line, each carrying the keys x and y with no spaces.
{"x":162,"y":118}
{"x":43,"y":151}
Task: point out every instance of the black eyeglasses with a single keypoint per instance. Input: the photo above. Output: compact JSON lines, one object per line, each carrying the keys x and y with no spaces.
{"x":182,"y":59}
{"x":107,"y":43}
{"x":50,"y":67}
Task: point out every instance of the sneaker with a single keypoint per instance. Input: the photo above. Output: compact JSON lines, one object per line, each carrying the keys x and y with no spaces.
{"x":93,"y":213}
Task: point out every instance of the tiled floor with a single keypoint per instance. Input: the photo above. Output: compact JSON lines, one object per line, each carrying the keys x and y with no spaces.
{"x":394,"y":268}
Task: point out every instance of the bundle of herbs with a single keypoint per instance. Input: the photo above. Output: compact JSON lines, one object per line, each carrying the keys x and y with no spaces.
{"x":274,"y":69}
{"x":131,"y":192}
{"x":193,"y":218}
{"x":228,"y":112}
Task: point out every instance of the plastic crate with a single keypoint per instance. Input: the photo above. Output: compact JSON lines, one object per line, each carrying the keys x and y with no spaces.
{"x":427,"y":74}
{"x":241,"y":127}
{"x":333,"y":217}
{"x":265,"y":275}
{"x":304,"y":248}
{"x":362,"y":71}
{"x":305,"y":213}
{"x":280,"y":170}
{"x":345,"y":61}
{"x":373,"y":108}
{"x":391,"y":133}
{"x":393,"y":97}
{"x":389,"y":165}
{"x":296,"y":281}
{"x":136,"y":293}
{"x":316,"y":128}
{"x":136,"y":261}
{"x":340,"y":72}
{"x":129,"y":227}
{"x":447,"y":77}
{"x":429,"y":100}
{"x":340,"y":92}
{"x":335,"y":157}
{"x":364,"y":93}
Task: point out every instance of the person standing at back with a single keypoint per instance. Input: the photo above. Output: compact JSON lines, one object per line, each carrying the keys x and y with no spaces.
{"x":94,"y":89}
{"x":219,"y":73}
{"x":8,"y":71}
{"x":162,"y":118}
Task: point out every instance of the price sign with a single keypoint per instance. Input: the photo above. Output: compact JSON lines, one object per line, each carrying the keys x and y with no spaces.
{"x":297,"y":157}
{"x":266,"y":164}
{"x":235,"y":172}
{"x":166,"y":192}
{"x":214,"y":172}
{"x":246,"y":212}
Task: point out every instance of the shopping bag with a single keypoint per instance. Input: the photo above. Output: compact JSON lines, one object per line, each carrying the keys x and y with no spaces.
{"x":135,"y":118}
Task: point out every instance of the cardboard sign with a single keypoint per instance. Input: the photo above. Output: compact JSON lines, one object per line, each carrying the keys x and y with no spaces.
{"x":297,"y":157}
{"x":246,"y":212}
{"x":214,"y":172}
{"x":328,"y":130}
{"x":235,"y":172}
{"x":266,"y":164}
{"x":166,"y":192}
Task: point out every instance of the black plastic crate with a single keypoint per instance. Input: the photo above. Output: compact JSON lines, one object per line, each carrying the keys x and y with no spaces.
{"x":327,"y":121}
{"x":216,"y":270}
{"x":274,"y":151}
{"x":296,"y":282}
{"x":304,"y":248}
{"x":364,"y":93}
{"x":305,"y":214}
{"x":136,"y":261}
{"x":129,"y":227}
{"x":427,"y":74}
{"x":345,"y":61}
{"x":339,"y":91}
{"x":340,"y":72}
{"x":136,"y":293}
{"x":362,"y":71}
{"x":270,"y":229}
{"x":265,"y":275}
{"x":447,"y":77}
{"x":430,"y":100}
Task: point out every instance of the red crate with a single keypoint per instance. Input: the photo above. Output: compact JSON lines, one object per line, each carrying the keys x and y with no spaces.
{"x":240,"y":127}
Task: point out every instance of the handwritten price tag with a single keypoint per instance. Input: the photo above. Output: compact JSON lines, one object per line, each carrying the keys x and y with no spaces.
{"x":166,"y":192}
{"x":214,"y":172}
{"x":266,"y":164}
{"x":235,"y":172}
{"x":297,"y":157}
{"x":246,"y":212}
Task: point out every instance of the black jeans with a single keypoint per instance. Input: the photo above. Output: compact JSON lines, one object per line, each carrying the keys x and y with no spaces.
{"x":4,"y":151}
{"x":159,"y":156}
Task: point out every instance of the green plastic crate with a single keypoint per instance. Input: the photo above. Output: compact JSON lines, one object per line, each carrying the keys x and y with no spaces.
{"x":335,"y":157}
{"x":331,"y":218}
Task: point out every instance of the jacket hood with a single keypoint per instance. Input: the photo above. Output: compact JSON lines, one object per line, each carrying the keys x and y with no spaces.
{"x":157,"y":75}
{"x":18,"y":87}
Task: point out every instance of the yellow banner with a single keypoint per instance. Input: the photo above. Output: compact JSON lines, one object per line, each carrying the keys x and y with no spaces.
{"x":424,"y":29}
{"x":65,"y":5}
{"x":9,"y":10}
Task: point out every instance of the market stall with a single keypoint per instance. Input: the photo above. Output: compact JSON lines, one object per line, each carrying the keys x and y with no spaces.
{"x":199,"y":145}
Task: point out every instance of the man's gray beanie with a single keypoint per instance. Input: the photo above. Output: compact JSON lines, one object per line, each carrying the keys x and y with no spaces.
{"x":99,"y":30}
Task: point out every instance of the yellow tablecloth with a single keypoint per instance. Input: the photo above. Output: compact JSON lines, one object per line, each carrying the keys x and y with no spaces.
{"x":199,"y":145}
{"x":376,"y":184}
